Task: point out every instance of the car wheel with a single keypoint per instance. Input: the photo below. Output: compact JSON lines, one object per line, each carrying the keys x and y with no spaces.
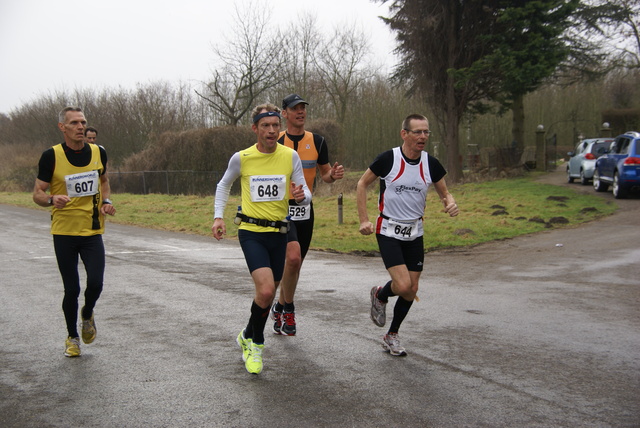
{"x":618,"y":191}
{"x":583,"y":180}
{"x":569,"y":177}
{"x":597,"y":184}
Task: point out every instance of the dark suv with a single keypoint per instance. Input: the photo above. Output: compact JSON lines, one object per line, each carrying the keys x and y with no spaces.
{"x":620,"y":166}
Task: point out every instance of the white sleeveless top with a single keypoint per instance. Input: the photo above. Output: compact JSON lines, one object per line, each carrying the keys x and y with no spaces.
{"x":403,"y":198}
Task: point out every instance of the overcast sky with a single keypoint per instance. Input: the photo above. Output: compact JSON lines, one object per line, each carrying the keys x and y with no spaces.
{"x":62,"y":45}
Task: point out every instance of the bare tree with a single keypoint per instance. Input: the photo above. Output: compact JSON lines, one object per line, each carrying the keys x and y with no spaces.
{"x":341,"y":67}
{"x":251,"y":60}
{"x":300,"y":50}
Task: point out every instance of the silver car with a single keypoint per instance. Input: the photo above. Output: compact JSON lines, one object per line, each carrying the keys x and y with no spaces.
{"x":582,"y":162}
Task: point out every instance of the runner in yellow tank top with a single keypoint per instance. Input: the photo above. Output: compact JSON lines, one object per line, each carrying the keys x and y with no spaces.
{"x":75,"y":175}
{"x":80,"y":215}
{"x":270,"y":175}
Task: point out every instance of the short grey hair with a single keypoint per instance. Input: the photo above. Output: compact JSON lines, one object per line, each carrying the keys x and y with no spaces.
{"x":408,"y":119}
{"x":63,"y":113}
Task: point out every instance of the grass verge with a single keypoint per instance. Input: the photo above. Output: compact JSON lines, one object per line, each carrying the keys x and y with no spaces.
{"x":489,"y":211}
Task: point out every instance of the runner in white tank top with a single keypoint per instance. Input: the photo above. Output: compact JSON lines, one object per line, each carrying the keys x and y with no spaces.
{"x":406,"y":174}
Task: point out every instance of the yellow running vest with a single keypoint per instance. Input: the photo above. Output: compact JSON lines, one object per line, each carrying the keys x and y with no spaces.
{"x":81,"y":216}
{"x":265,"y":180}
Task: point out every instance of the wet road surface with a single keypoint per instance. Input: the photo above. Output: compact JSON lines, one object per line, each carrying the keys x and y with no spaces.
{"x":517,"y":333}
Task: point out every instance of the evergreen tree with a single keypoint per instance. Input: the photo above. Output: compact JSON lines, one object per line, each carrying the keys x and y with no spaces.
{"x":461,"y":55}
{"x":435,"y":38}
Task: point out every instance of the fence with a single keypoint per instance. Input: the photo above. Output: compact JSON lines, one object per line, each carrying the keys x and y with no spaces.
{"x":165,"y":182}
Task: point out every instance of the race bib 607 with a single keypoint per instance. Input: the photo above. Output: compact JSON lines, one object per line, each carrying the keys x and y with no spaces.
{"x":82,"y":184}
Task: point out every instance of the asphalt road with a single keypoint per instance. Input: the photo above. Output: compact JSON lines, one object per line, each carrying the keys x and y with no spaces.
{"x":517,"y":333}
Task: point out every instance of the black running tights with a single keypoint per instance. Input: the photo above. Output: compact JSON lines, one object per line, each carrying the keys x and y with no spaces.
{"x":91,"y":251}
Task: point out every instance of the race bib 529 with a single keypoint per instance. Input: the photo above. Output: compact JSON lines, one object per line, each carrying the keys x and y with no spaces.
{"x":300,"y":212}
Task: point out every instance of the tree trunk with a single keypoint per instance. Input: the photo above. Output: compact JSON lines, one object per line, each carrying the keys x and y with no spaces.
{"x":452,"y":118}
{"x":517,"y":129}
{"x":452,"y":114}
{"x":454,"y":166}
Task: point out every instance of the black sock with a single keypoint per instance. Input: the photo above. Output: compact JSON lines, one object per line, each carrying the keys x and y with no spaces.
{"x":400,"y":311}
{"x":289,"y":307}
{"x":385,"y":292}
{"x":279,"y":307}
{"x":257,"y":322}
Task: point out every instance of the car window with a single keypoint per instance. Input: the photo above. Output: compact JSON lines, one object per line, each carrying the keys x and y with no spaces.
{"x":578,"y":149}
{"x":599,"y":148}
{"x":623,"y":148}
{"x":615,"y":147}
{"x":637,"y":148}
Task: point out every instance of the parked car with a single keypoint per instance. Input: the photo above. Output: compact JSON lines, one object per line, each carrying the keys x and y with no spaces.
{"x":620,"y":166}
{"x":582,"y":161}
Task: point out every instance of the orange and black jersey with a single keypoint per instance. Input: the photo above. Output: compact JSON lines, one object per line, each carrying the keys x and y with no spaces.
{"x":312,"y":149}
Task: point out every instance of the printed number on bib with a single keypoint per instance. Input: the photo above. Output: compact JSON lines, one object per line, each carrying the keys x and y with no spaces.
{"x":403,"y":230}
{"x":82,"y":184}
{"x":265,"y":188}
{"x":300,"y":212}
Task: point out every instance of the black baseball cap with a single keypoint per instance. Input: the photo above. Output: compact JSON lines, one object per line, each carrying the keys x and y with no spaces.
{"x":292,"y":101}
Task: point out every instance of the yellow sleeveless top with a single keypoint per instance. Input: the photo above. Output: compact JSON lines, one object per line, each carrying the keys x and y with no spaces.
{"x":81,"y":216}
{"x":265,"y":179}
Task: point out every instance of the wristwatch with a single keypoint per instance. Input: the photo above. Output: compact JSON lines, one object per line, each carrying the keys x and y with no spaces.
{"x":50,"y":200}
{"x":107,"y":201}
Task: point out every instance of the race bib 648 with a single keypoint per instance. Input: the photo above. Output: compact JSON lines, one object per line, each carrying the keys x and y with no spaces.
{"x":266,"y":188}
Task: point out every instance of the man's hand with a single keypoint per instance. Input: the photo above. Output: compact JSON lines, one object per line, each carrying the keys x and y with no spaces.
{"x":337,"y":172}
{"x":366,"y":228}
{"x":219,"y":229}
{"x":297,"y":192}
{"x":450,"y":206}
{"x":108,"y":209}
{"x":60,"y":201}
